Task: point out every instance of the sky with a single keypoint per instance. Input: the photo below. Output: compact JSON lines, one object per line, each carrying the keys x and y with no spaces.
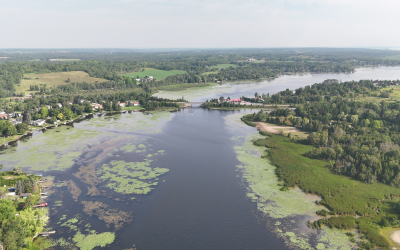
{"x":198,"y":23}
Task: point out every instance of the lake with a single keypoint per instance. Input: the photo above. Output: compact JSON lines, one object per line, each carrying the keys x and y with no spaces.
{"x":173,"y":180}
{"x":237,"y":90}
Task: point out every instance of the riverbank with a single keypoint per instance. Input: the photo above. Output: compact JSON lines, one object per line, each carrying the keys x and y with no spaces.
{"x":82,"y":117}
{"x":285,"y":212}
{"x":340,"y":195}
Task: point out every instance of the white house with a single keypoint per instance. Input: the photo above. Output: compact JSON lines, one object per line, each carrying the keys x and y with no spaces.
{"x":39,"y":122}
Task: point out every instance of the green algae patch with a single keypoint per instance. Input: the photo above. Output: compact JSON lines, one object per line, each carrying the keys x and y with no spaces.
{"x":50,"y":150}
{"x":130,"y":177}
{"x":88,"y":242}
{"x":128,"y":148}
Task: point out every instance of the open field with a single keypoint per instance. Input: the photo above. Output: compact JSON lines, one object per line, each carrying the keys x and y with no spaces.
{"x":55,"y":79}
{"x":156,"y":73}
{"x":275,"y":129}
{"x":394,"y":89}
{"x":177,"y":87}
{"x":219,"y":67}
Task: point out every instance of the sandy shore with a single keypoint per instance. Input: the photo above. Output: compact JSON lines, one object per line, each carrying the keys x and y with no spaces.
{"x":275,"y":129}
{"x":396,"y":236}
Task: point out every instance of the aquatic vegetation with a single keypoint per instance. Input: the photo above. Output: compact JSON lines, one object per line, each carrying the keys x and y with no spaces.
{"x":130,"y":177}
{"x":73,"y":189}
{"x":88,"y":242}
{"x":128,"y":148}
{"x":105,"y":213}
{"x":58,"y":203}
{"x":70,"y":223}
{"x":58,"y":151}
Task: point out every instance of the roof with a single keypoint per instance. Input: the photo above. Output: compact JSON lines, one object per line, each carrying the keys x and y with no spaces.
{"x":25,"y":194}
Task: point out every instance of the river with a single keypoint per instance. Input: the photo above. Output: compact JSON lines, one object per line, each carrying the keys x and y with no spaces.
{"x":172,"y":180}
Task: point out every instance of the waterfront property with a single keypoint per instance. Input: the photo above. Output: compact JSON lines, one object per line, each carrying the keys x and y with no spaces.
{"x":39,"y":122}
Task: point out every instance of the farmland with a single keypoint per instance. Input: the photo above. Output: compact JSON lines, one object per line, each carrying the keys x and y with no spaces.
{"x":54,"y":79}
{"x":156,"y":73}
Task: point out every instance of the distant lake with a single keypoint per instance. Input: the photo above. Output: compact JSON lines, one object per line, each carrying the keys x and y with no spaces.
{"x":291,"y":82}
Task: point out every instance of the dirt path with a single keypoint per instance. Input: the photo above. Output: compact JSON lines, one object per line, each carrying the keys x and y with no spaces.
{"x":275,"y":129}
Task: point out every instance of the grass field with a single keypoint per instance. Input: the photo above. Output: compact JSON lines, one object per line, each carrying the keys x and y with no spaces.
{"x":395,"y":89}
{"x":219,"y":67}
{"x":156,"y":73}
{"x":55,"y":79}
{"x":177,"y":87}
{"x":132,"y":108}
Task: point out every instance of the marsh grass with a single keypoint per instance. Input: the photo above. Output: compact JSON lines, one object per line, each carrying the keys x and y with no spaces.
{"x":339,"y":193}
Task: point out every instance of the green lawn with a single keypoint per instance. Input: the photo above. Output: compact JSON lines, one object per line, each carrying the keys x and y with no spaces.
{"x":132,"y":108}
{"x":156,"y":73}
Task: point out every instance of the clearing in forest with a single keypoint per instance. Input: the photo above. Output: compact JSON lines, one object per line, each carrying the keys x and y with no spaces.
{"x":219,"y":67}
{"x":54,"y":79}
{"x":156,"y":73}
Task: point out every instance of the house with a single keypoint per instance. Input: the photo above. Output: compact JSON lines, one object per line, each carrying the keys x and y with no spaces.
{"x":122,"y":104}
{"x":69,"y":102}
{"x":150,"y":77}
{"x":15,"y":122}
{"x":2,"y":112}
{"x":39,"y":122}
{"x":11,"y":114}
{"x":136,"y":103}
{"x":24,"y":195}
{"x":3,"y":116}
{"x":235,"y":101}
{"x":81,"y":101}
{"x":59,"y":105}
{"x":97,"y":106}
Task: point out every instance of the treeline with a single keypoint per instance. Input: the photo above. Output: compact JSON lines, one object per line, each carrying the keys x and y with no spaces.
{"x":111,"y":65}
